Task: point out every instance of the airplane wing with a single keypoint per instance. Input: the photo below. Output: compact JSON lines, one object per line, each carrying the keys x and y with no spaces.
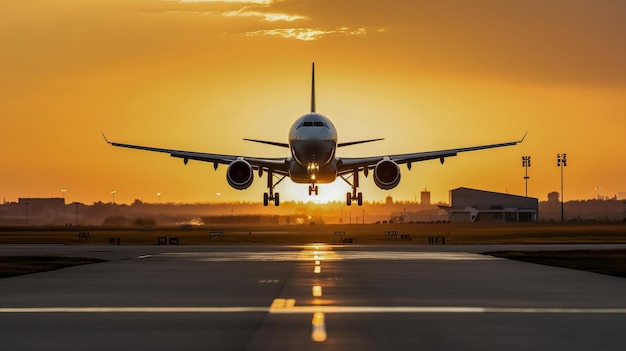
{"x":348,"y":164}
{"x":268,"y":142}
{"x":278,"y":165}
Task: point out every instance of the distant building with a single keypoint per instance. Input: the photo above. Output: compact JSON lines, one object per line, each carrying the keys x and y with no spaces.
{"x":389,"y":200}
{"x":34,"y":211}
{"x":471,"y":205}
{"x":553,"y":196}
{"x":425,"y":198}
{"x":42,"y":202}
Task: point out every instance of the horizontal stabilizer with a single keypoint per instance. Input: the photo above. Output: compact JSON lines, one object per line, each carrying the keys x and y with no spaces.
{"x":268,"y":142}
{"x":358,"y":142}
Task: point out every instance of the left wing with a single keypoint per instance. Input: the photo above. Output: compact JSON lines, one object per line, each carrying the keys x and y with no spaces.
{"x":277,"y":165}
{"x":348,"y":164}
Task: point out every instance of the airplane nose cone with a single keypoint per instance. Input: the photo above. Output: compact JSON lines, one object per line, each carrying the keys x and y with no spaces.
{"x":308,"y":151}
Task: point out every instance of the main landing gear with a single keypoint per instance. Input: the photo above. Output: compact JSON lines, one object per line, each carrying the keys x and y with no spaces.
{"x":354,"y":196}
{"x":270,"y":185}
{"x":313,"y":189}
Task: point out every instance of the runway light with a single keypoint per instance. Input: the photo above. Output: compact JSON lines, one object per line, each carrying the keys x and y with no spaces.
{"x":317,"y":269}
{"x":318,"y":333}
{"x":317,"y":291}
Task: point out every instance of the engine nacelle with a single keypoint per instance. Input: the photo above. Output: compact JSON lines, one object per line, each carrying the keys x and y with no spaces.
{"x":239,"y":174}
{"x":386,"y":174}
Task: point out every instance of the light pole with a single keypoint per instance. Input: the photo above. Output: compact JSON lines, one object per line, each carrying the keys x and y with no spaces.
{"x":113,"y":192}
{"x":159,"y":197}
{"x":561,"y":161}
{"x":526,"y":164}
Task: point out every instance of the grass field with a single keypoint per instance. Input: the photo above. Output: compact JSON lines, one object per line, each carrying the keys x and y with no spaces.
{"x":609,"y":262}
{"x":467,"y":233}
{"x":17,"y":265}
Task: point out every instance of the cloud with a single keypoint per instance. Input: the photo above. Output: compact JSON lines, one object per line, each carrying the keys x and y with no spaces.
{"x":269,"y":17}
{"x":306,"y":34}
{"x":256,"y":2}
{"x":277,"y":11}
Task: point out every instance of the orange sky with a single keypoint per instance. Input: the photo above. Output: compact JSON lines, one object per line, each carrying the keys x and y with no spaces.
{"x":202,"y":75}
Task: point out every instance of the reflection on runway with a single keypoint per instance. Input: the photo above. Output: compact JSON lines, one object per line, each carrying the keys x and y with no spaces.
{"x":321,"y":255}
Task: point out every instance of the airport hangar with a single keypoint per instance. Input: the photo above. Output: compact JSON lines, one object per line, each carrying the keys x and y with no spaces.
{"x":472,"y":205}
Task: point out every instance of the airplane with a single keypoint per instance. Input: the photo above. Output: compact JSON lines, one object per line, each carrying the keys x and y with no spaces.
{"x":312,"y":143}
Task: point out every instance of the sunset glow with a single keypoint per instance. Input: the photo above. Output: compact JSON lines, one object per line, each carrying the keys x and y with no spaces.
{"x":201,"y":75}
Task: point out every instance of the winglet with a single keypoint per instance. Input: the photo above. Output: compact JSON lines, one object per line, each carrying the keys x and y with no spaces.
{"x":105,"y":138}
{"x":313,"y":88}
{"x":524,"y":137}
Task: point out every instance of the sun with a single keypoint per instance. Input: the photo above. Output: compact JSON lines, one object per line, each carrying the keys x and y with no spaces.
{"x":335,"y":191}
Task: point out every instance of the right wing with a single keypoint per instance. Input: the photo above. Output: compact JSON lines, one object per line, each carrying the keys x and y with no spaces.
{"x":277,"y":165}
{"x":348,"y":164}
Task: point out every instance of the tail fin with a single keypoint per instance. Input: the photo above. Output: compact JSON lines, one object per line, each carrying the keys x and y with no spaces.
{"x":313,"y":88}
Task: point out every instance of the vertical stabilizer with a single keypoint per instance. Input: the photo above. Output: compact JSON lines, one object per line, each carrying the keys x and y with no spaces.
{"x":313,"y":88}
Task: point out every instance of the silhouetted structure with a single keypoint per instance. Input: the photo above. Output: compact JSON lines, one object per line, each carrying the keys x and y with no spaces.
{"x":425,"y":198}
{"x":471,"y":205}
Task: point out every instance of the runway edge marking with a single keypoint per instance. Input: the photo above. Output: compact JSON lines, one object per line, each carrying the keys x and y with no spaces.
{"x":286,"y":306}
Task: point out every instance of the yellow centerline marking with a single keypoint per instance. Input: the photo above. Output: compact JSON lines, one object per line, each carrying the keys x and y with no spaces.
{"x":318,"y":332}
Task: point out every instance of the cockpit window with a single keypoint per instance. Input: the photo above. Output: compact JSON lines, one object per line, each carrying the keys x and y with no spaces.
{"x":312,"y":124}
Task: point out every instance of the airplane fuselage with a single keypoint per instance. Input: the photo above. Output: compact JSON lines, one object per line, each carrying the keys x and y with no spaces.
{"x":313,"y":142}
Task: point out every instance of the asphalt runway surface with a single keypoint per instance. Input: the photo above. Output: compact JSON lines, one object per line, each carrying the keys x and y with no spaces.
{"x":310,"y":297}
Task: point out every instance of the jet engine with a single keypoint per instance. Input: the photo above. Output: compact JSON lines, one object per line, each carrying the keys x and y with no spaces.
{"x":239,"y":174}
{"x":386,"y":174}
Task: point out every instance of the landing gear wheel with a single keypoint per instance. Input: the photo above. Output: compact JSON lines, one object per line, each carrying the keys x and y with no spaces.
{"x":265,"y":199}
{"x":315,"y":190}
{"x":359,"y":199}
{"x":348,"y":199}
{"x":276,"y":199}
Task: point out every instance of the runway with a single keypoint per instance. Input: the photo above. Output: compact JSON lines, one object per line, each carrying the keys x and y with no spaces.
{"x":309,"y":297}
